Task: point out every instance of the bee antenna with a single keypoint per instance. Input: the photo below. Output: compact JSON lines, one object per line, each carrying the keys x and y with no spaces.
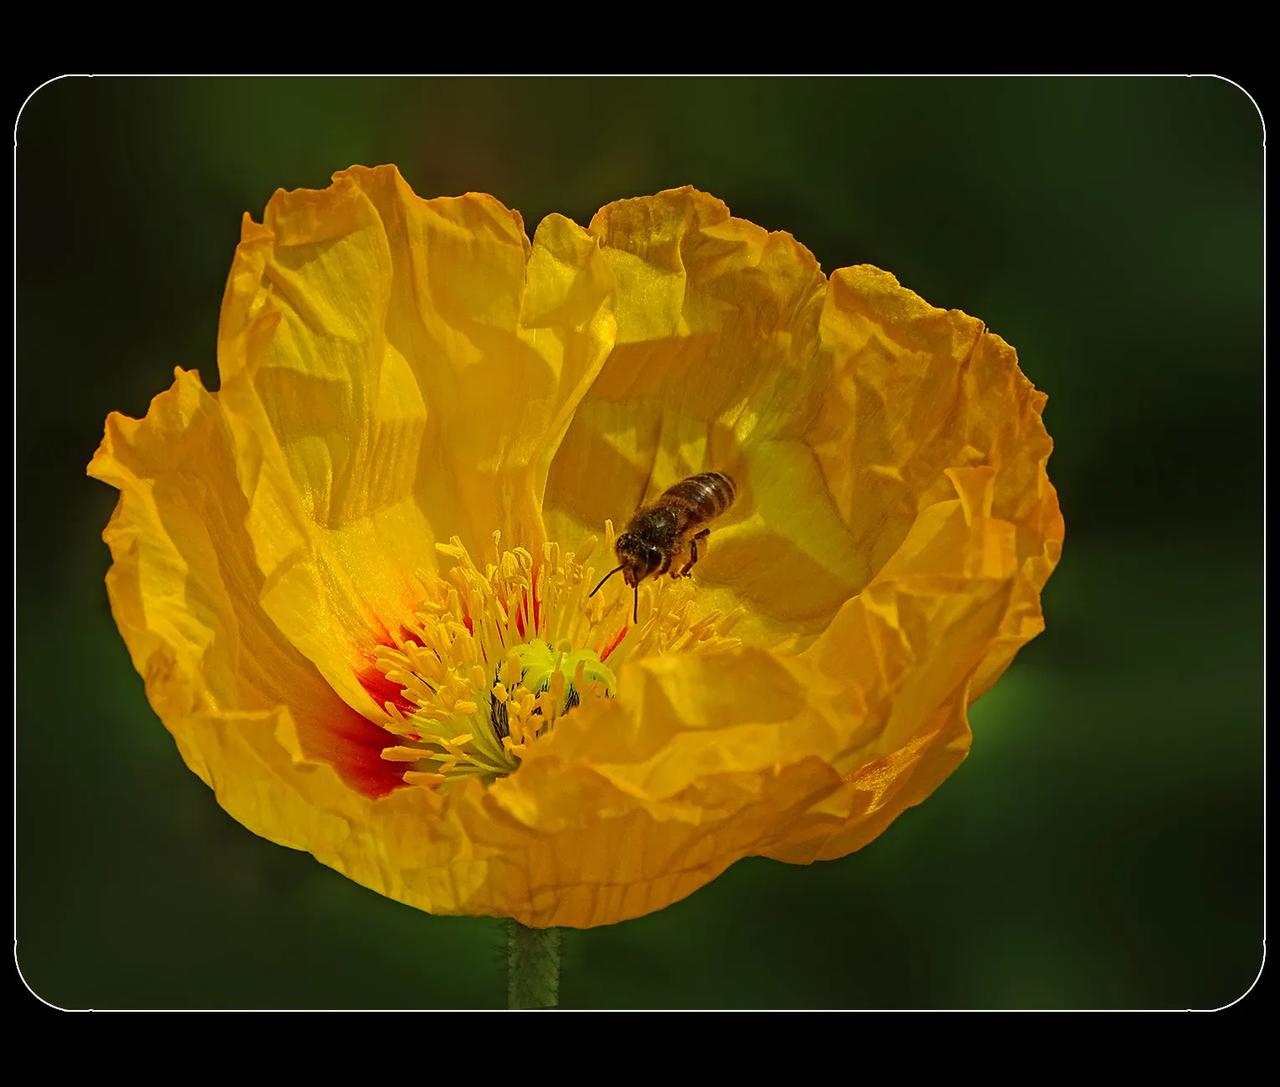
{"x":602,"y":581}
{"x":635,"y":610}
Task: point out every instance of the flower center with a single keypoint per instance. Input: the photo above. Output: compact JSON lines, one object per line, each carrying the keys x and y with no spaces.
{"x":491,"y":658}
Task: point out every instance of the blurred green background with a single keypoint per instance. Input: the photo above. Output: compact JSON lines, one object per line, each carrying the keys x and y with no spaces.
{"x":1102,"y":846}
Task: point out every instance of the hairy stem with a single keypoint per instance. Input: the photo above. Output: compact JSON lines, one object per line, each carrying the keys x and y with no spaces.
{"x":533,"y":966}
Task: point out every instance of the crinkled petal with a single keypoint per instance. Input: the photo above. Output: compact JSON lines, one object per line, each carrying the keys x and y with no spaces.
{"x":184,"y":591}
{"x":284,"y":754}
{"x":715,"y":368}
{"x":881,"y":696}
{"x":396,"y":371}
{"x":926,"y":404}
{"x":932,"y":448}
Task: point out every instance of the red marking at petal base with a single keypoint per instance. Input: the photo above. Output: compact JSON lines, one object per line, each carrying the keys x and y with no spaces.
{"x":537,"y":602}
{"x":383,"y":690}
{"x":352,"y":745}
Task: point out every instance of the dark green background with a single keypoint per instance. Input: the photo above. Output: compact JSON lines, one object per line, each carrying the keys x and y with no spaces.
{"x":1102,"y":846}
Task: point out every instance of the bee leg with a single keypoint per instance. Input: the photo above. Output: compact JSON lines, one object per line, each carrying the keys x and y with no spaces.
{"x":693,"y":552}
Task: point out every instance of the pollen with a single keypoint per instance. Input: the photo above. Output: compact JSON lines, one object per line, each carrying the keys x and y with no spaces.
{"x":493,"y":656}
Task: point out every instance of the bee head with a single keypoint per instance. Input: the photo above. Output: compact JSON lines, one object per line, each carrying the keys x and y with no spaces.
{"x":637,"y":558}
{"x":636,"y":561}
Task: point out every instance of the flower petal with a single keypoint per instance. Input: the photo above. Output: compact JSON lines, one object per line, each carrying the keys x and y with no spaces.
{"x":568,"y":868}
{"x":934,"y":447}
{"x":396,"y":371}
{"x":184,"y":591}
{"x":797,"y":757}
{"x":251,"y":716}
{"x":927,"y":404}
{"x":869,"y":685}
{"x":716,"y":367}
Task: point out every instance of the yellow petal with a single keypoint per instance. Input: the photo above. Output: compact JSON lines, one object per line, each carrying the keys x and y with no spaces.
{"x":250,"y":715}
{"x":748,"y":752}
{"x":396,"y":371}
{"x":184,"y":591}
{"x":926,"y":404}
{"x":715,"y":368}
{"x":932,"y":443}
{"x":593,"y":853}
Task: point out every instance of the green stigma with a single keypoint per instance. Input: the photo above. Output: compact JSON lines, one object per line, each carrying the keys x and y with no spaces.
{"x":539,"y":663}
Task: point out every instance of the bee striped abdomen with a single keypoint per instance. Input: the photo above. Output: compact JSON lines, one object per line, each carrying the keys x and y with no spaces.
{"x":706,"y":495}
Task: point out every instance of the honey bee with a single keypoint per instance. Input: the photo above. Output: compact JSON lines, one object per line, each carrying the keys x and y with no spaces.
{"x":667,"y":528}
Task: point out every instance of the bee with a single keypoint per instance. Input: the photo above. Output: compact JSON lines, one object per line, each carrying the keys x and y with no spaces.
{"x":670,"y":526}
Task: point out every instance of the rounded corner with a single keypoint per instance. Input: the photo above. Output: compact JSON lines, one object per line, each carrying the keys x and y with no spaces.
{"x":17,"y":120}
{"x":1262,"y":965}
{"x":1262,"y":121}
{"x":17,"y":966}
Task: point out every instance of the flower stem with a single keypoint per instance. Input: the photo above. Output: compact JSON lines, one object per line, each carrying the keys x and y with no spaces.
{"x":533,"y":966}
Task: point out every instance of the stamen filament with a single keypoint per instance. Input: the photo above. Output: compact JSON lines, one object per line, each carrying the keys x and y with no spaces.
{"x":492,"y":658}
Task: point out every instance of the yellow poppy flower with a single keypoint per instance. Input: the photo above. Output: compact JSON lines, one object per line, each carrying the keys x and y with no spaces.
{"x":356,"y":578}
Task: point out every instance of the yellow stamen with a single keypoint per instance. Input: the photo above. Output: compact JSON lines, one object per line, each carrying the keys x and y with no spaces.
{"x":493,"y":657}
{"x":417,"y":777}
